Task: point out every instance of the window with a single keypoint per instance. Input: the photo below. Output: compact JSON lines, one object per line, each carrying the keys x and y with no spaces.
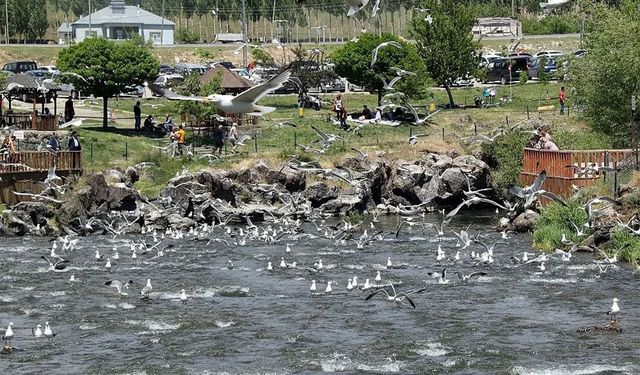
{"x":155,"y":36}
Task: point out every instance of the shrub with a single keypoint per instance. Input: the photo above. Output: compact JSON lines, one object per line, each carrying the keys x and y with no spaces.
{"x":556,"y":220}
{"x":186,"y":36}
{"x":203,"y":53}
{"x":630,"y":245}
{"x":504,"y":156}
{"x":551,"y":24}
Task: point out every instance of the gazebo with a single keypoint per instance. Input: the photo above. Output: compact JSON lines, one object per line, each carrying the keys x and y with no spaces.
{"x":27,"y":88}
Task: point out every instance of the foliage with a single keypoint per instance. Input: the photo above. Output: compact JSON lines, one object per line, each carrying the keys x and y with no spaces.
{"x":186,"y":36}
{"x":108,"y":68}
{"x":556,"y":220}
{"x":609,"y":75}
{"x":353,"y":61}
{"x":193,"y":85}
{"x":585,"y":139}
{"x":544,"y":77}
{"x":524,"y":78}
{"x":631,"y":200}
{"x":203,"y":53}
{"x":630,"y":245}
{"x":262,"y":57}
{"x":446,"y":45}
{"x":504,"y":155}
{"x":551,"y":24}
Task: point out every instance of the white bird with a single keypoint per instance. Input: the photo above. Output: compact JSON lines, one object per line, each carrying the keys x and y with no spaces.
{"x":183,"y":296}
{"x":116,"y":256}
{"x":73,"y":122}
{"x":108,"y":265}
{"x":8,"y":335}
{"x":376,"y":9}
{"x":269,"y":266}
{"x":355,"y":6}
{"x":542,"y":268}
{"x":328,"y":288}
{"x":119,"y":286}
{"x":98,"y":256}
{"x":313,"y":287}
{"x":72,"y":279}
{"x":37,"y":331}
{"x":48,"y":332}
{"x":389,"y":262}
{"x":147,"y":289}
{"x":282,"y":263}
{"x":414,"y":138}
{"x":244,"y":102}
{"x":378,"y":277}
{"x":615,"y":310}
{"x":349,"y":285}
{"x":374,"y":53}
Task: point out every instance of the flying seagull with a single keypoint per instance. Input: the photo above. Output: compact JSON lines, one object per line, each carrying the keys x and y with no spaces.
{"x":398,"y":298}
{"x":355,"y":6}
{"x":242,"y":103}
{"x":119,"y":285}
{"x":374,"y":54}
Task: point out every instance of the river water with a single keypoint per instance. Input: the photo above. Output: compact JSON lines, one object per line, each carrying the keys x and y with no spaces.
{"x":247,"y":320}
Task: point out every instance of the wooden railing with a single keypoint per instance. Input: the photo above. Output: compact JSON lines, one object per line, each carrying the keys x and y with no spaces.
{"x":41,"y":161}
{"x":556,"y":162}
{"x":561,"y":177}
{"x":45,"y":123}
{"x":21,"y":120}
{"x":25,"y":121}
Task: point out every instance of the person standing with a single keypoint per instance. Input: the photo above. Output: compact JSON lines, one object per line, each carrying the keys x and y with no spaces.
{"x":137,"y":114}
{"x":233,"y":136}
{"x":337,"y":105}
{"x":54,"y":148}
{"x":74,"y":143}
{"x":562,"y":98}
{"x":69,"y":111}
{"x":218,"y":139}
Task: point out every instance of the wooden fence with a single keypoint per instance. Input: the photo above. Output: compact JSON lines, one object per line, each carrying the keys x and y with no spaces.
{"x":561,"y":176}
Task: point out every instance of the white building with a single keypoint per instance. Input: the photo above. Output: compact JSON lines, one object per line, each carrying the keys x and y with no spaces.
{"x":497,"y":26}
{"x":119,"y":21}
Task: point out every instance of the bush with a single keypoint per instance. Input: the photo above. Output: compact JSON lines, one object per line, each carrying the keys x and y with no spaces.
{"x":556,"y":220}
{"x":262,"y":57}
{"x":630,"y":245}
{"x":551,"y":24}
{"x":504,"y":156}
{"x":203,"y":53}
{"x":186,"y":36}
{"x":585,"y":139}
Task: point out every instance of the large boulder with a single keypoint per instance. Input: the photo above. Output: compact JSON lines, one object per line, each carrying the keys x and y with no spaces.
{"x":525,"y":221}
{"x":320,"y":193}
{"x":122,"y":198}
{"x":346,"y":203}
{"x":454,"y":181}
{"x":433,"y":192}
{"x":403,"y":186}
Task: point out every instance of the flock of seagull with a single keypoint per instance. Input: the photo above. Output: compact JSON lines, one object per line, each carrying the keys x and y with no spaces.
{"x":469,"y":250}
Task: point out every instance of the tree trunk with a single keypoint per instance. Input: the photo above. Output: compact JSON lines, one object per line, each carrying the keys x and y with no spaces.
{"x":379,"y":97}
{"x":446,"y":87}
{"x":105,"y":109}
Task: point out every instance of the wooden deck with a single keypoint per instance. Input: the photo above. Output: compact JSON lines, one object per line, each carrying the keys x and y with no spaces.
{"x":21,"y":171}
{"x":561,"y":179}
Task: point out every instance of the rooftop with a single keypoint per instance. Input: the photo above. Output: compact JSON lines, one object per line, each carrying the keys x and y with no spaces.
{"x":119,"y":13}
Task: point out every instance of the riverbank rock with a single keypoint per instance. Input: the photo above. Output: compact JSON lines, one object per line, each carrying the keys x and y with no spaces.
{"x":525,"y":221}
{"x":320,"y":193}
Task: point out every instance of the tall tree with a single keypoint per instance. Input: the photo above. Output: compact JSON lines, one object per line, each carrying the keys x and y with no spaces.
{"x":607,"y":78}
{"x":353,"y":61}
{"x":107,"y":67}
{"x":38,"y":23}
{"x":445,"y":42}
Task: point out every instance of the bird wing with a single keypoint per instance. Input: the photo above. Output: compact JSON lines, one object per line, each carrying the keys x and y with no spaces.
{"x":517,"y":191}
{"x":256,"y":93}
{"x":376,"y":292}
{"x":173,"y":96}
{"x":552,"y":196}
{"x":359,"y":152}
{"x":537,"y":184}
{"x":477,"y":274}
{"x":408,"y":299}
{"x":454,"y":212}
{"x":322,"y":134}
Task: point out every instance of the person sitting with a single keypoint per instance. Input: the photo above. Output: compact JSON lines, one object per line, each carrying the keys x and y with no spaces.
{"x":545,"y":139}
{"x":342,"y":116}
{"x":378,"y":115}
{"x":366,"y":113}
{"x":149,"y":123}
{"x":8,"y":149}
{"x":168,"y":123}
{"x":47,"y":112}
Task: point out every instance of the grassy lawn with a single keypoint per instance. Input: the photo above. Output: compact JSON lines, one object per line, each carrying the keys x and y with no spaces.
{"x":121,"y":147}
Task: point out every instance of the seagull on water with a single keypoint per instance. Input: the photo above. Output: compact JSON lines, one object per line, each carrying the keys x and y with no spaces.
{"x":147,"y":289}
{"x":183,"y":296}
{"x":328,"y":289}
{"x":269,"y":266}
{"x":313,"y":287}
{"x":48,"y":332}
{"x":615,"y":310}
{"x":119,"y":285}
{"x":37,"y":331}
{"x":8,"y":335}
{"x":108,"y":265}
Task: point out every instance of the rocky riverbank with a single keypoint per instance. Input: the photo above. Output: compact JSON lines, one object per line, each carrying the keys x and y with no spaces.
{"x":110,"y":202}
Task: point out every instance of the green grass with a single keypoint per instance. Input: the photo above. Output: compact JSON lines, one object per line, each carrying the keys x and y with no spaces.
{"x":555,"y":220}
{"x":629,"y":244}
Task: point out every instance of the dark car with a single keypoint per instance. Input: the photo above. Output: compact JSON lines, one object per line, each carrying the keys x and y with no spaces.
{"x":20,"y":66}
{"x":508,"y":69}
{"x":39,"y":74}
{"x":167,"y":69}
{"x":551,"y":66}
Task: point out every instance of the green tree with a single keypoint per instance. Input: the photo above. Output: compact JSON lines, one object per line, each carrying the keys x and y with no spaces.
{"x":186,"y":36}
{"x":353,"y":61}
{"x":107,"y":68}
{"x":38,"y":23}
{"x":607,"y":78}
{"x":193,"y":85}
{"x":445,"y":42}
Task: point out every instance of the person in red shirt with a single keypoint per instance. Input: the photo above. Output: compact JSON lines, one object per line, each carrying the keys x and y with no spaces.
{"x":562,"y":97}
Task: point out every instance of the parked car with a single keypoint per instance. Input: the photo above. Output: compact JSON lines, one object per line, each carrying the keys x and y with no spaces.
{"x":168,"y":80}
{"x":226,"y":64}
{"x":551,"y":66}
{"x":20,"y":66}
{"x":166,"y":69}
{"x":579,"y":53}
{"x":51,"y":69}
{"x":485,"y":60}
{"x":499,"y":69}
{"x":186,"y":69}
{"x":137,"y":91}
{"x":549,"y":54}
{"x":39,"y":74}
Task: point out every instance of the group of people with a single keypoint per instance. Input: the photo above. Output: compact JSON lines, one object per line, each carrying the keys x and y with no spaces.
{"x":542,"y":141}
{"x":219,"y":137}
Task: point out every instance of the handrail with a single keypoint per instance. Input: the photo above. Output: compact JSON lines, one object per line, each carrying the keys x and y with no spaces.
{"x":40,"y":161}
{"x":558,"y":163}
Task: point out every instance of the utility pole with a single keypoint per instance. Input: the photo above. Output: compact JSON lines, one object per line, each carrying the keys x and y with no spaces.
{"x":89,"y":17}
{"x":6,"y":21}
{"x":634,"y":131}
{"x":513,"y":8}
{"x":273,"y":19}
{"x":244,"y":33}
{"x":162,"y":27}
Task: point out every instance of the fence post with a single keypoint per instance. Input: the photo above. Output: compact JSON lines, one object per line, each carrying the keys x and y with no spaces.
{"x":615,"y":180}
{"x":91,"y":151}
{"x":126,"y":151}
{"x":606,"y":163}
{"x":255,"y":142}
{"x":443,"y":134}
{"x":528,"y":112}
{"x":507,"y":118}
{"x":475,"y":128}
{"x":295,"y":139}
{"x":410,"y":132}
